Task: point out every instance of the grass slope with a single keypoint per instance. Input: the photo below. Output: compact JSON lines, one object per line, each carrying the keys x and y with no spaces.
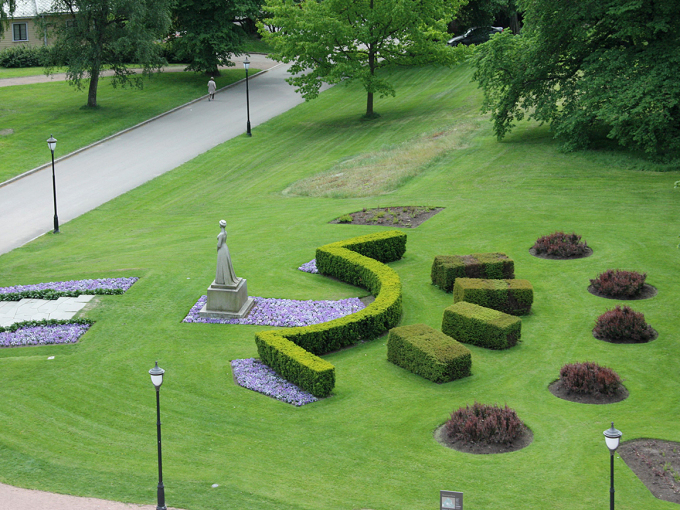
{"x":84,"y":422}
{"x":36,"y":111}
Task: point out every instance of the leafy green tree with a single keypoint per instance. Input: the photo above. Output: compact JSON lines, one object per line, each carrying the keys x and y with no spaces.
{"x":208,"y":34}
{"x":588,"y":68}
{"x":351,"y":40}
{"x":478,"y":13}
{"x":6,"y":10}
{"x":109,"y":34}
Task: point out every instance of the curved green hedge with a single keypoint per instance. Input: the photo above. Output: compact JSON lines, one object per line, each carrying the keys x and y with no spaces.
{"x":293,"y":353}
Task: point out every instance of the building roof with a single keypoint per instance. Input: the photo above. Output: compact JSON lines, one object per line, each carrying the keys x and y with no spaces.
{"x":32,"y":8}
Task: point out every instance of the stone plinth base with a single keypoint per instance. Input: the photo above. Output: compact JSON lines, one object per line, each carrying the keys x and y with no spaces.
{"x":227,"y":301}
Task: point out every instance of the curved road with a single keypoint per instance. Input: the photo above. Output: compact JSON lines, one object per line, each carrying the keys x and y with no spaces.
{"x":93,"y":176}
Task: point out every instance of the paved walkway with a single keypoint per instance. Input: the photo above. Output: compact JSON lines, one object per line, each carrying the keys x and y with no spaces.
{"x":94,"y":176}
{"x":39,"y":309}
{"x":14,"y":498}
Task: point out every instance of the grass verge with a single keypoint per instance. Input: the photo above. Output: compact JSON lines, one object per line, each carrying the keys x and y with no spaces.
{"x":84,"y":422}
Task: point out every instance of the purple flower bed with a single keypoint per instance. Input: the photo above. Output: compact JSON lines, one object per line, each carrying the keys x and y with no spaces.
{"x":43,"y":335}
{"x":284,"y":313}
{"x":309,"y":267}
{"x":72,"y":287}
{"x":251,"y":373}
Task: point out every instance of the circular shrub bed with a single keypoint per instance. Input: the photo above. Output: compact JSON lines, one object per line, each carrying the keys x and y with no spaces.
{"x":483,"y":428}
{"x":619,"y":284}
{"x":623,"y":325}
{"x":559,"y":245}
{"x":588,"y":383}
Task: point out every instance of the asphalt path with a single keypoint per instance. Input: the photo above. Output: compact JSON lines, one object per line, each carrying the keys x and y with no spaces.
{"x":123,"y":162}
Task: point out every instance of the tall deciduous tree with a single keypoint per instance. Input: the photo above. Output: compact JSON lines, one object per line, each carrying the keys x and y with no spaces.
{"x":109,"y":34}
{"x":351,"y":40}
{"x":589,"y":67}
{"x":7,"y":8}
{"x":209,"y":32}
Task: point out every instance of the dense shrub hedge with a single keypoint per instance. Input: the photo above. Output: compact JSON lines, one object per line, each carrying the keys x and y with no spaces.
{"x":477,"y":325}
{"x":589,"y":379}
{"x":446,"y":268}
{"x":348,"y":261}
{"x":484,"y":423}
{"x":52,"y":294}
{"x":510,"y":296}
{"x":428,"y":353}
{"x":623,"y":325}
{"x":616,"y":283}
{"x":24,"y":56}
{"x":559,"y":244}
{"x":43,"y":322}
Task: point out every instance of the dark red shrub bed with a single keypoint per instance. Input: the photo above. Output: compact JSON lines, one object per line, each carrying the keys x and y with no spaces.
{"x":619,"y":284}
{"x":623,"y":325}
{"x":589,"y":379}
{"x":483,"y":423}
{"x":561,"y":245}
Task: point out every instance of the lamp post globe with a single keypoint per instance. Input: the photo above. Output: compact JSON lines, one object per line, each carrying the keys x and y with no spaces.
{"x":52,"y":144}
{"x":156,"y":374}
{"x":246,"y":65}
{"x":612,"y":438}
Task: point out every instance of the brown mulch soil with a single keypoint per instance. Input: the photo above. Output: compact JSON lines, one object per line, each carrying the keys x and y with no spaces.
{"x":483,"y":449}
{"x":655,"y":335}
{"x":407,"y":216}
{"x":657,"y":464}
{"x":648,"y":291}
{"x":588,"y":253}
{"x":558,"y":389}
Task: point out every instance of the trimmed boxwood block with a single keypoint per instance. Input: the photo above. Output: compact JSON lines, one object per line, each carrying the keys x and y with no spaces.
{"x":510,"y":296}
{"x":477,"y":325}
{"x":446,"y":268}
{"x":428,"y":353}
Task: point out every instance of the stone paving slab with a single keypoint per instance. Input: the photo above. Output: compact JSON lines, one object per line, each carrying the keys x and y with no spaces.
{"x":37,"y":309}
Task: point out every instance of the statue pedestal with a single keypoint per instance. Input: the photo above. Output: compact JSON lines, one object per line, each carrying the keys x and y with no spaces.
{"x":227,"y":301}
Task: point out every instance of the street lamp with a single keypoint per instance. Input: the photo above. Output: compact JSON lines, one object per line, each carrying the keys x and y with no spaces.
{"x":246,"y":65}
{"x":156,"y":374}
{"x":612,"y":437}
{"x":52,"y":144}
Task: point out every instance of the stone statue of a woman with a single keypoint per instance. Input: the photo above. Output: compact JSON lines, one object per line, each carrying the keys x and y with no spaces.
{"x":225,"y":271}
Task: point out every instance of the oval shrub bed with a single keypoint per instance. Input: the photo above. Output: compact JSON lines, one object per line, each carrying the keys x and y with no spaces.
{"x":560,"y":246}
{"x":623,"y":325}
{"x":588,"y":383}
{"x":620,"y":284}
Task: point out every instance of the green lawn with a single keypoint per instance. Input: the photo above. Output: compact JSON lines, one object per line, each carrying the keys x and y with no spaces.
{"x":34,"y":112}
{"x":84,"y":423}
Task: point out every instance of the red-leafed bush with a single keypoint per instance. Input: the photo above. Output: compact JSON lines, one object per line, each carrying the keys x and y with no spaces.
{"x":589,"y":379}
{"x":623,"y":325}
{"x":483,"y":423}
{"x":619,"y":284}
{"x":560,"y":244}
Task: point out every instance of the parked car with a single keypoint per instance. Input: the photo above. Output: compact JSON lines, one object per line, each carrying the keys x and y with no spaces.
{"x":475,"y":35}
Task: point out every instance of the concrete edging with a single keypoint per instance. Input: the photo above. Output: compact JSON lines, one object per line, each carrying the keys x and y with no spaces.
{"x":77,"y":151}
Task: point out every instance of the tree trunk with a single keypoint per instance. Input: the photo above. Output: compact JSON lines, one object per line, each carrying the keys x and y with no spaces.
{"x":514,"y":23}
{"x":371,"y":67}
{"x":92,"y":92}
{"x":369,"y":105}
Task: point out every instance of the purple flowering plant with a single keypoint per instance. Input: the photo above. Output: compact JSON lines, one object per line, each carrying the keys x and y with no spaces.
{"x":309,"y":267}
{"x":254,"y":375}
{"x":285,"y":313}
{"x":46,"y":334}
{"x":71,"y":288}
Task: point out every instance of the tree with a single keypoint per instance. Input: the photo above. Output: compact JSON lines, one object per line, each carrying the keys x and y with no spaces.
{"x":588,"y":68}
{"x":109,"y":34}
{"x":477,"y":13}
{"x":7,"y":8}
{"x":208,"y":33}
{"x":351,"y":40}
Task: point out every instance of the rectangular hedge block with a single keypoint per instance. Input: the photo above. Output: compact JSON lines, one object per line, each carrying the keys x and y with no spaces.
{"x":446,"y":268}
{"x":477,"y":325}
{"x":510,"y":296}
{"x":428,"y":353}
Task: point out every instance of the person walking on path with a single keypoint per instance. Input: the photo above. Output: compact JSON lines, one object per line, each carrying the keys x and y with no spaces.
{"x":211,"y":89}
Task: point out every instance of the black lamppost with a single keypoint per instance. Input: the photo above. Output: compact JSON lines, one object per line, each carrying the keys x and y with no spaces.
{"x":52,"y":144}
{"x":157,"y":379}
{"x":612,"y":437}
{"x":246,"y":65}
